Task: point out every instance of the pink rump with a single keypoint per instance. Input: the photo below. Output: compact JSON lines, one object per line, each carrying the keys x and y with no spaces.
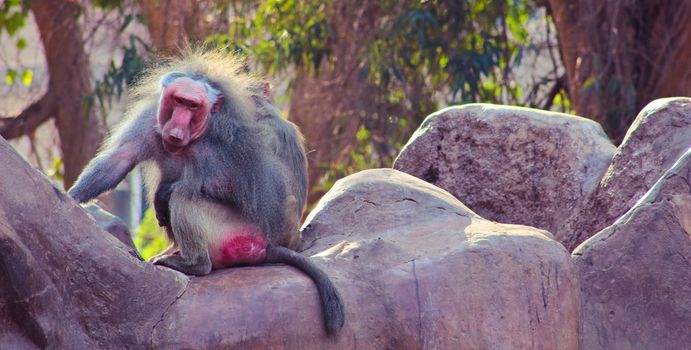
{"x":243,"y":249}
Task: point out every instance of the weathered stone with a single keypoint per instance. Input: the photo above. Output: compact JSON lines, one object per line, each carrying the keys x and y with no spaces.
{"x":64,"y":282}
{"x":511,"y":164}
{"x":110,"y":223}
{"x":660,"y":134}
{"x":416,"y":268}
{"x":636,"y":274}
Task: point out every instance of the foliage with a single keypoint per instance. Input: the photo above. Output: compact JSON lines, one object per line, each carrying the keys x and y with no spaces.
{"x":297,"y":33}
{"x":120,"y":75}
{"x":109,"y":4}
{"x":56,"y":170}
{"x":467,"y":47}
{"x":278,"y":33}
{"x":425,"y":53}
{"x":362,"y":155}
{"x":13,"y":16}
{"x":149,"y":238}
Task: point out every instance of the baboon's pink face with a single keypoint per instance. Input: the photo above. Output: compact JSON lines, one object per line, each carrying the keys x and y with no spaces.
{"x":184,"y":112}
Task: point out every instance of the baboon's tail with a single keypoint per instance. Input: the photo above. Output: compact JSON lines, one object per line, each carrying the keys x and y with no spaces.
{"x":331,"y":300}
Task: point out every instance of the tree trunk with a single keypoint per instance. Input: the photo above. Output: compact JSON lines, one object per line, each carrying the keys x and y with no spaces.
{"x":620,"y":55}
{"x":330,"y":106}
{"x":81,"y":130}
{"x":174,"y":24}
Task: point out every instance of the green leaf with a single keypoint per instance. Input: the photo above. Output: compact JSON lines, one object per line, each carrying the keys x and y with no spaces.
{"x":125,"y":23}
{"x":362,"y":134}
{"x":148,"y":237}
{"x":108,"y":4}
{"x":590,"y":83}
{"x":15,"y":22}
{"x":27,"y":77}
{"x":11,"y":76}
{"x":21,"y":44}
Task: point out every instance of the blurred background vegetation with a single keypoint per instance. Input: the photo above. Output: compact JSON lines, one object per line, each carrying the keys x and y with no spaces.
{"x":357,"y":76}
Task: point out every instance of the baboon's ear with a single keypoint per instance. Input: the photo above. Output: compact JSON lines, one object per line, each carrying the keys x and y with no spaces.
{"x":217,"y":105}
{"x":267,"y":91}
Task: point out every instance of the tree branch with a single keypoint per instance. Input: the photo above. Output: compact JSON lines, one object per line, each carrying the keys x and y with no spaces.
{"x":30,"y":118}
{"x":558,"y":86}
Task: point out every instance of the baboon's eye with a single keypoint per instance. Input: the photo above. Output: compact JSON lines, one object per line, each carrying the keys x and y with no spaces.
{"x":193,"y":106}
{"x":178,"y":100}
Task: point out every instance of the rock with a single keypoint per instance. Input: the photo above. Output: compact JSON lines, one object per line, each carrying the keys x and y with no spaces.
{"x":110,"y":223}
{"x":511,"y":164}
{"x":64,"y":282}
{"x":636,"y":274}
{"x":416,"y":269}
{"x":660,"y":134}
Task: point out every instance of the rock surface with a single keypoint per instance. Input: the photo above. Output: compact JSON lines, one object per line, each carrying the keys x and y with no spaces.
{"x":111,"y":224}
{"x":636,"y":274}
{"x":511,"y":164}
{"x":416,"y":268}
{"x":660,"y":134}
{"x":64,"y":282}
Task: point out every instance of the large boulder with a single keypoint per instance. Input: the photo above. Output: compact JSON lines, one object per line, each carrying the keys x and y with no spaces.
{"x":511,"y":164}
{"x":64,"y":282}
{"x":445,"y":277}
{"x":416,"y":269}
{"x":636,"y":274}
{"x":660,"y":134}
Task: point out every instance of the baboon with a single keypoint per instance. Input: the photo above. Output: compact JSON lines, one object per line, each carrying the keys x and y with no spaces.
{"x":227,"y":175}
